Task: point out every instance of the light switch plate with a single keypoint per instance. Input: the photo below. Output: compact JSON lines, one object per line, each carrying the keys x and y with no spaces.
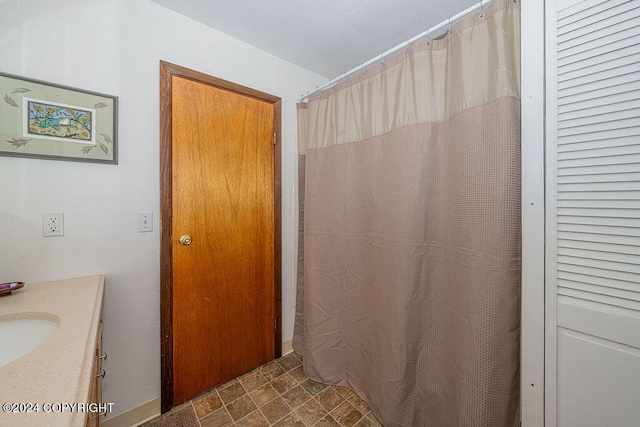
{"x":145,"y":222}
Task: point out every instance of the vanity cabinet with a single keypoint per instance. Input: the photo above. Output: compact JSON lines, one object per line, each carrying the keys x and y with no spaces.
{"x":95,"y":393}
{"x":67,"y":367}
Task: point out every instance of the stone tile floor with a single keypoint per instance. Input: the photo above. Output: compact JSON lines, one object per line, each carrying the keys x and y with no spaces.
{"x":275,"y":394}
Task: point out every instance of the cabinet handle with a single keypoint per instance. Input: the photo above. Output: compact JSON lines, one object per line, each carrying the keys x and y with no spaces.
{"x":102,"y":374}
{"x":103,"y":357}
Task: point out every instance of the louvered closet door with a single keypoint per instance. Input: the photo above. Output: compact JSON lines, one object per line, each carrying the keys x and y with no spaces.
{"x":593,"y":152}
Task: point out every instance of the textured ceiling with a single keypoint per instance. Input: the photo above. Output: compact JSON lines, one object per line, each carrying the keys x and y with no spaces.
{"x":328,"y":37}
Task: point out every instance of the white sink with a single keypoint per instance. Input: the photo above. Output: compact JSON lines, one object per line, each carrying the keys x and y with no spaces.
{"x":20,"y":336}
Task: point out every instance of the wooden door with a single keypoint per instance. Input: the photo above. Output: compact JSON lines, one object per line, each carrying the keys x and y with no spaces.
{"x":223,"y":196}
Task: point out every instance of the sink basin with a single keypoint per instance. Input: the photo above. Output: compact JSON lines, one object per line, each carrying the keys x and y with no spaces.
{"x":20,"y":336}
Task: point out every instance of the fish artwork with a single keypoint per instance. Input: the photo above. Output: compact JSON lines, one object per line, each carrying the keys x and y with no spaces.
{"x":18,"y":142}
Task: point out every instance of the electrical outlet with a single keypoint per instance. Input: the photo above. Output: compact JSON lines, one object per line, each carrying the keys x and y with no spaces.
{"x":52,"y":224}
{"x":145,"y":222}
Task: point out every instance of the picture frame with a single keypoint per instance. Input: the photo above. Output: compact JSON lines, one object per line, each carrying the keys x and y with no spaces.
{"x":45,"y":120}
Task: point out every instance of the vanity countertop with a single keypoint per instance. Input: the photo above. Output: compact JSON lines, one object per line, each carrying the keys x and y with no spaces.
{"x":59,"y":370}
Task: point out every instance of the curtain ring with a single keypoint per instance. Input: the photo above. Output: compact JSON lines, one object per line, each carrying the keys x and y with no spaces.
{"x":481,"y":9}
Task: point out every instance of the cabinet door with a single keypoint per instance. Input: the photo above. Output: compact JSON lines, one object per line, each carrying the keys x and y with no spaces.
{"x":95,"y":393}
{"x":99,"y":375}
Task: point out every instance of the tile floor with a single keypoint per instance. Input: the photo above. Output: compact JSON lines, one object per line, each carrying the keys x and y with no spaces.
{"x":275,"y":394}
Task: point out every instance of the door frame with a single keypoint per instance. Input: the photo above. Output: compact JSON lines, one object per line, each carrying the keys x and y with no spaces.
{"x":533,"y":308}
{"x":167,"y":71}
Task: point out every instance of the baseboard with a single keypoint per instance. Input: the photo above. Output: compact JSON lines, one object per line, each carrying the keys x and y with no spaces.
{"x":287,"y":347}
{"x":135,"y":416}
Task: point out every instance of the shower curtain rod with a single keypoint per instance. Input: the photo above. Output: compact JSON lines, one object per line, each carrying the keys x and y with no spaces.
{"x":448,"y":21}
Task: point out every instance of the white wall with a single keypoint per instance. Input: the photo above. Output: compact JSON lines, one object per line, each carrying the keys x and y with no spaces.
{"x":114,"y":47}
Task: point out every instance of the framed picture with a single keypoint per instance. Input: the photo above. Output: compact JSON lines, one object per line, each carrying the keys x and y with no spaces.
{"x":49,"y":121}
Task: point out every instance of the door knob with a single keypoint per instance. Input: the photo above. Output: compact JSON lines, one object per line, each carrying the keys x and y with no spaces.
{"x":185,"y":239}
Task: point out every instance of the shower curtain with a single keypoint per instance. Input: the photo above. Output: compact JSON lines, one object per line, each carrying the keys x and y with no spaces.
{"x":409,"y":264}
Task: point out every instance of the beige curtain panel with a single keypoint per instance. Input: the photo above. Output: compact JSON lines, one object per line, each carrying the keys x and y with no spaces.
{"x":410,"y":237}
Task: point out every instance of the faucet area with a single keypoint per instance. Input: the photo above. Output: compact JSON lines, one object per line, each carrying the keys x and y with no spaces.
{"x":50,"y":332}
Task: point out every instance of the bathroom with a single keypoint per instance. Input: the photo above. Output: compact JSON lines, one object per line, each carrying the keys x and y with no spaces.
{"x":115,"y":47}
